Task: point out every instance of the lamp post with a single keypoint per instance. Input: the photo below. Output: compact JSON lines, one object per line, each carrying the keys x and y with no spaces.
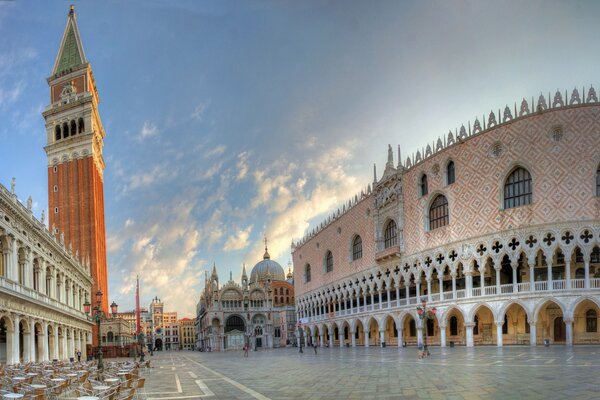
{"x":424,"y":315}
{"x":98,"y":315}
{"x":300,"y":337}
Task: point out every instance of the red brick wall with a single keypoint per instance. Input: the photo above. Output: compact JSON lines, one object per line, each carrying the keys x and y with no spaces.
{"x":337,"y":237}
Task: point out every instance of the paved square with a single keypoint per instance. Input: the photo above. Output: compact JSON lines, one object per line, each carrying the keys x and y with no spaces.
{"x":555,"y":372}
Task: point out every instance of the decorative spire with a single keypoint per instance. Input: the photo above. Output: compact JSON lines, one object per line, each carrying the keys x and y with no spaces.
{"x":374,"y":173}
{"x":244,"y":276}
{"x":266,"y":256}
{"x":390,"y":161}
{"x":399,"y":157}
{"x":70,"y":53}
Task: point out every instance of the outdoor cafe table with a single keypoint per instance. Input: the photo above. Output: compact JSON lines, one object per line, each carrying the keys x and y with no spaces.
{"x":88,"y":398}
{"x":111,"y":380}
{"x":57,"y":380}
{"x":38,"y":386}
{"x":100,"y":388}
{"x":12,"y":396}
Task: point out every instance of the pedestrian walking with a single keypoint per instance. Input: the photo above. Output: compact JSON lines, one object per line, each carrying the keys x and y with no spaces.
{"x":78,"y":355}
{"x":246,"y":350}
{"x":315,"y":347}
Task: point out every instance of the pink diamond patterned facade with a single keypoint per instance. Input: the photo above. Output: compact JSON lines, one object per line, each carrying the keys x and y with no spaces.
{"x":496,"y":273}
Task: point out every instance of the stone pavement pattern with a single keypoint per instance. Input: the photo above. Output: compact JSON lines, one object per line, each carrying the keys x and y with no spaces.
{"x":378,"y":373}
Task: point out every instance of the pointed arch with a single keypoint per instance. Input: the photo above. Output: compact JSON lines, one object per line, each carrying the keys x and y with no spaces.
{"x":518,"y":188}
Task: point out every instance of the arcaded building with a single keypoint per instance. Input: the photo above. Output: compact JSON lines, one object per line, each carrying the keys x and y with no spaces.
{"x":497,"y":225}
{"x":259,"y":312}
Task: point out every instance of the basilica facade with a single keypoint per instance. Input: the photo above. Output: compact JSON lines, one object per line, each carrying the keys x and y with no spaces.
{"x":497,"y":225}
{"x":259,"y":312}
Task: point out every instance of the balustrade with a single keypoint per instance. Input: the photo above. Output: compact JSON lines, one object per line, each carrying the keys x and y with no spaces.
{"x":595,"y":283}
{"x":523,"y":287}
{"x":542,"y":285}
{"x":490,"y":290}
{"x":558,"y":285}
{"x":461,"y":294}
{"x":477,"y":292}
{"x":507,"y":288}
{"x":577,"y":283}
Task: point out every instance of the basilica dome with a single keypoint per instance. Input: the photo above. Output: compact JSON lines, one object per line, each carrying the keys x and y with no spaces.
{"x":267,"y":266}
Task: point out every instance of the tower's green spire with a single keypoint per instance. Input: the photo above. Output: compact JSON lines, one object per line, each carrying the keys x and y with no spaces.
{"x":71,"y":52}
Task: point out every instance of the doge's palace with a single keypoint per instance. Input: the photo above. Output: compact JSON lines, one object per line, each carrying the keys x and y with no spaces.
{"x":496,"y":224}
{"x":43,"y":286}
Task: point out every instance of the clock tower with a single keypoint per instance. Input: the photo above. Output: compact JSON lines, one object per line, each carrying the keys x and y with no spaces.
{"x":75,"y":164}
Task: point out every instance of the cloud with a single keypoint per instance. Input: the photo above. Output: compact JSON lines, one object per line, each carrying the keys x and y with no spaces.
{"x":217,"y":151}
{"x":149,"y":129}
{"x":242,"y":165}
{"x":198,"y":112}
{"x":238,"y":241}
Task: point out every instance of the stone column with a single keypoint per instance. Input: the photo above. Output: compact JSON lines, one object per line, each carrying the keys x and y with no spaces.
{"x":29,"y":269}
{"x":568,"y":273}
{"x":321,"y":344}
{"x":482,"y":278}
{"x":532,"y":333}
{"x":366,"y":330}
{"x":42,"y":280}
{"x":341,"y":336}
{"x":514,"y":265}
{"x":453,"y":285}
{"x":55,"y":330}
{"x":13,"y":258}
{"x":470,"y":326}
{"x":441,"y":283}
{"x":407,"y":293}
{"x":419,"y":332}
{"x":469,"y":283}
{"x":330,"y":338}
{"x":353,"y":337}
{"x":45,"y":355}
{"x":381,"y":337}
{"x":531,"y":276}
{"x":398,"y":294}
{"x":549,"y":263}
{"x":32,"y":347}
{"x":372,"y":300}
{"x":442,"y":335}
{"x":400,"y":336}
{"x":12,"y":337}
{"x":380,"y":299}
{"x":16,"y":345}
{"x":418,"y":286}
{"x":569,"y":331}
{"x":497,"y":267}
{"x":428,"y":278}
{"x":586,"y":265}
{"x":499,"y":333}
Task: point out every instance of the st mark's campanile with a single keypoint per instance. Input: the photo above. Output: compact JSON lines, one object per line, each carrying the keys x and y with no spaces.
{"x":75,"y":163}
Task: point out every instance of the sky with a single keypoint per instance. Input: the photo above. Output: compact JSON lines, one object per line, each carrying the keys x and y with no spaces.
{"x":230,"y":120}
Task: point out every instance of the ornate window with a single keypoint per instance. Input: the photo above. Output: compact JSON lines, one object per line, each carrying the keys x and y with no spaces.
{"x":450,"y":176}
{"x":357,"y":248}
{"x":390,"y":234}
{"x":438,"y":212}
{"x":73,"y":128}
{"x":505,"y":325}
{"x":424,"y":189}
{"x":328,"y":262}
{"x":591,"y":321}
{"x":65,"y":130}
{"x":57,"y":132}
{"x":598,"y":181}
{"x":517,"y":189}
{"x":307,"y":273}
{"x":80,"y":125}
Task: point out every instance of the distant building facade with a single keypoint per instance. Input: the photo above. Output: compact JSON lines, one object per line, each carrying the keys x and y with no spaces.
{"x":259,"y":312}
{"x":498,"y":226}
{"x":187,"y":331}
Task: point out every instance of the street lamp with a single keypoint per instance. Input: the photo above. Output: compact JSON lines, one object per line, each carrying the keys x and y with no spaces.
{"x":300,"y":337}
{"x":98,"y":315}
{"x":425,"y":314}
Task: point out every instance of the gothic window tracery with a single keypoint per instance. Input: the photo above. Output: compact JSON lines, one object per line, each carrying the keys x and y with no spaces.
{"x":423,"y":186}
{"x":390,"y":234}
{"x":450,"y":173}
{"x":328,"y":262}
{"x":356,"y":248}
{"x":57,"y":132}
{"x":517,"y":188}
{"x":438,"y":212}
{"x":307,"y":273}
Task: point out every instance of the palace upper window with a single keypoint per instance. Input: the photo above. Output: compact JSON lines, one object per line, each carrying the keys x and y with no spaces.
{"x":517,"y":189}
{"x":307,"y":273}
{"x":598,"y":181}
{"x":450,"y":176}
{"x":356,"y":248}
{"x":438,"y":212}
{"x":328,"y":262}
{"x":424,"y":189}
{"x":390,"y":234}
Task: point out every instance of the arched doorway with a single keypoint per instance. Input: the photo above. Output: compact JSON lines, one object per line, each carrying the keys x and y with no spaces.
{"x":258,"y":322}
{"x":550,"y":323}
{"x":359,"y":334}
{"x":391,"y":332}
{"x":50,"y":339}
{"x":585,"y":320}
{"x":158,"y":344}
{"x":5,"y":340}
{"x":455,"y":328}
{"x":373,"y":332}
{"x":410,"y":330}
{"x":39,"y":342}
{"x":485,"y":331}
{"x":515,"y":329}
{"x":235,"y":330}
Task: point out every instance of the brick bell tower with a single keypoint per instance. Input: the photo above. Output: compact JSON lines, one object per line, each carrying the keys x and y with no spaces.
{"x":75,"y":163}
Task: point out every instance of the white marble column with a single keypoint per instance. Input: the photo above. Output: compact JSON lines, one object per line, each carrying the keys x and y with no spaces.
{"x":482,"y":278}
{"x":428,"y":278}
{"x":418,"y":290}
{"x":569,"y":331}
{"x":400,"y":337}
{"x":419,"y":333}
{"x":56,"y":344}
{"x":453,"y":285}
{"x":407,"y":293}
{"x":568,"y":273}
{"x":330,"y":338}
{"x":586,"y":266}
{"x":29,"y":268}
{"x":497,"y":267}
{"x":398,"y":294}
{"x":366,"y":335}
{"x":381,"y":337}
{"x":499,"y":333}
{"x":441,"y":284}
{"x":443,"y":335}
{"x":32,"y":348}
{"x":341,"y":337}
{"x":45,"y":354}
{"x":321,"y":344}
{"x":549,"y":263}
{"x":42,"y":276}
{"x":16,"y":344}
{"x":469,"y":326}
{"x":353,"y":338}
{"x":514,"y":265}
{"x":532,"y":333}
{"x":13,"y":258}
